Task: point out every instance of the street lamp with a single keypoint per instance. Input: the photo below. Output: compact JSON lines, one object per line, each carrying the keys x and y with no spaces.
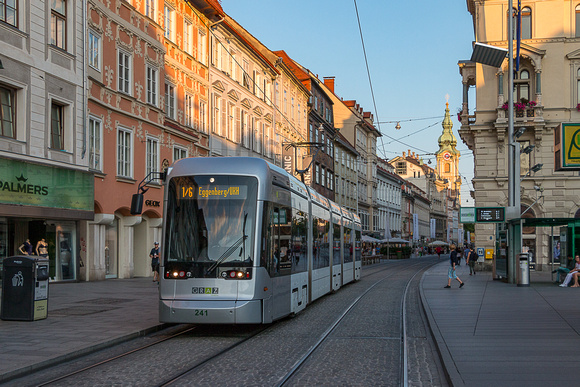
{"x":534,"y":169}
{"x":527,"y":150}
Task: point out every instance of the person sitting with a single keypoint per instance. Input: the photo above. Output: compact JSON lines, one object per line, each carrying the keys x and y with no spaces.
{"x":572,"y":274}
{"x":563,"y":269}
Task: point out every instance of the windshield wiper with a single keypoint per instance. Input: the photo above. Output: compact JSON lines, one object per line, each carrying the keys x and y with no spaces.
{"x":230,"y":250}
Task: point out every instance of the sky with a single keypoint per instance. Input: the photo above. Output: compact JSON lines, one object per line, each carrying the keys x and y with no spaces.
{"x":412,"y":48}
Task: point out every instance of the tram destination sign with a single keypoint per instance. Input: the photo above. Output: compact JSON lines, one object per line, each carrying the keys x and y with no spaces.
{"x":490,"y":214}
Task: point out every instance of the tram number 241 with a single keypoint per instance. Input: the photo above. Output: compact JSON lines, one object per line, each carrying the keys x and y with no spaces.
{"x":200,"y":312}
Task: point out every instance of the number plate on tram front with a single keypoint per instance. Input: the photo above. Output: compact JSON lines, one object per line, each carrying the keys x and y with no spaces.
{"x":200,"y":312}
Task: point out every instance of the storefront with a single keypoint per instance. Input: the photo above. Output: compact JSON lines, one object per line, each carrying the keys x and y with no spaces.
{"x":45,"y":204}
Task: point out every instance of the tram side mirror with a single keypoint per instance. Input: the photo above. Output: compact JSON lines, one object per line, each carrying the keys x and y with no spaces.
{"x":137,"y":204}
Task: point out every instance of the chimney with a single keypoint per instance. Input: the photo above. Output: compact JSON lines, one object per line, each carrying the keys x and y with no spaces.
{"x":403,"y":154}
{"x":409,"y":152}
{"x":329,"y":82}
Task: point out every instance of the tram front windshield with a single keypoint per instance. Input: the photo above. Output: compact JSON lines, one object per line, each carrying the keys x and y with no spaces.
{"x":210,"y":223}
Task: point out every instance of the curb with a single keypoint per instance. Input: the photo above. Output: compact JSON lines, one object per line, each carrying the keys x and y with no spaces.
{"x":451,"y":373}
{"x":81,"y":352}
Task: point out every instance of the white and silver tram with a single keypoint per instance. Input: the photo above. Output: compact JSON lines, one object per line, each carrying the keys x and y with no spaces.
{"x":244,"y":242}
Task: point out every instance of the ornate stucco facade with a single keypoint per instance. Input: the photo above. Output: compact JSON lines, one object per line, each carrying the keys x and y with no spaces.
{"x":546,"y":88}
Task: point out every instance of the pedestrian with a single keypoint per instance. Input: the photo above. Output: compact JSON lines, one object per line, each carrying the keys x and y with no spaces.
{"x":438,"y":249}
{"x":154,"y":254}
{"x":571,"y":273}
{"x":26,"y":247}
{"x":471,"y":259}
{"x":451,"y":272}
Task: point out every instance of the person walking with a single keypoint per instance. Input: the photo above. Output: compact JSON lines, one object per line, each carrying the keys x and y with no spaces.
{"x":451,"y":272}
{"x":471,"y":259}
{"x":154,"y":254}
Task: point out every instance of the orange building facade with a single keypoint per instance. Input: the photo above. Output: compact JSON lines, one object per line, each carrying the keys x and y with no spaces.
{"x":147,"y":107}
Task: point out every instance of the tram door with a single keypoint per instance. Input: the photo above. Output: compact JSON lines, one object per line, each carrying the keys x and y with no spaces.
{"x":336,"y":254}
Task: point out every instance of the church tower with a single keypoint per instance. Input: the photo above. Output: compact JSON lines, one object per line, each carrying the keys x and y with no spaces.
{"x":448,"y":157}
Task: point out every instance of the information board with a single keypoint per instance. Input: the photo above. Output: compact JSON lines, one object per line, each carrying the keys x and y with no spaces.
{"x":490,"y":214}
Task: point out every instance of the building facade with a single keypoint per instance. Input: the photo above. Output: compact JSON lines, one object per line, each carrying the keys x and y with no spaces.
{"x":547,"y":94}
{"x":345,"y":173}
{"x":47,"y":188}
{"x":242,"y":102}
{"x":147,"y":107}
{"x":389,"y":197}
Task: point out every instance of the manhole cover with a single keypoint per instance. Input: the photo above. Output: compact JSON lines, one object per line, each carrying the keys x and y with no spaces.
{"x":105,"y":301}
{"x":77,"y":311}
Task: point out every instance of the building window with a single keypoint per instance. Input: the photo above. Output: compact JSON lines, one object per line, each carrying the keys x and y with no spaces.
{"x":95,"y":126}
{"x":526,"y":30}
{"x":179,"y":153}
{"x":124,"y":73}
{"x":577,"y":21}
{"x":124,"y":155}
{"x":201,"y":47}
{"x":94,"y":55}
{"x":57,"y":126}
{"x":170,"y":100}
{"x":246,"y":66}
{"x":169,"y":14}
{"x":401,"y":168}
{"x":150,"y":9}
{"x":216,"y":114}
{"x":152,"y":156}
{"x":7,"y":113}
{"x":58,"y":23}
{"x":189,"y":111}
{"x":187,"y":34}
{"x":522,"y":86}
{"x":9,"y":12}
{"x":245,"y":129}
{"x":203,"y":116}
{"x":152,"y":85}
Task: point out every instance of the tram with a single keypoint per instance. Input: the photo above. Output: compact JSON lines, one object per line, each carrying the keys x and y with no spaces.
{"x":244,"y":242}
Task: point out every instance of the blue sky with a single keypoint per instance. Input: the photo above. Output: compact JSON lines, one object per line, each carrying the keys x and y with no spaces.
{"x":412,"y":48}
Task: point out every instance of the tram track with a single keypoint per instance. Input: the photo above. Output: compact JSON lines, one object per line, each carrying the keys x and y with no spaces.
{"x":404,"y":378}
{"x":219,"y":353}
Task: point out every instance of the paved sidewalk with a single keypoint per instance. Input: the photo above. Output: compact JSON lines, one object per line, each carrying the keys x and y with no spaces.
{"x":82,"y":317}
{"x":491,"y":333}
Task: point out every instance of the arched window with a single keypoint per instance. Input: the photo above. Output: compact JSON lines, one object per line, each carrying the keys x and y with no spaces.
{"x":447,"y":168}
{"x":578,"y":21}
{"x":526,"y":23}
{"x":522,"y":86}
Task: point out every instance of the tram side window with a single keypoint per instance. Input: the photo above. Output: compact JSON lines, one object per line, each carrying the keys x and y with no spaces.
{"x":357,"y":249}
{"x":348,"y":245}
{"x":283,"y":230}
{"x":270,"y":258}
{"x":298,"y":252}
{"x":320,"y":239}
{"x":336,"y":244}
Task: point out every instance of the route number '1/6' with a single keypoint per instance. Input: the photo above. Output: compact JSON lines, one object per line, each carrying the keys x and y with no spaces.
{"x":187,"y":192}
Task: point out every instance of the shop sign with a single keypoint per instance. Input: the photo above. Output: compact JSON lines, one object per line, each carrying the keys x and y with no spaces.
{"x":31,"y":184}
{"x":567,"y":146}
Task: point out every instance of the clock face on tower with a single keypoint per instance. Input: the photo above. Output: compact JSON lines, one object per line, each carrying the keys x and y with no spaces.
{"x":446,"y":156}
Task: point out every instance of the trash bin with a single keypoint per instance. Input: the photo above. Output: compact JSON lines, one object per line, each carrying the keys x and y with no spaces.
{"x":24,"y":288}
{"x":524,"y":277}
